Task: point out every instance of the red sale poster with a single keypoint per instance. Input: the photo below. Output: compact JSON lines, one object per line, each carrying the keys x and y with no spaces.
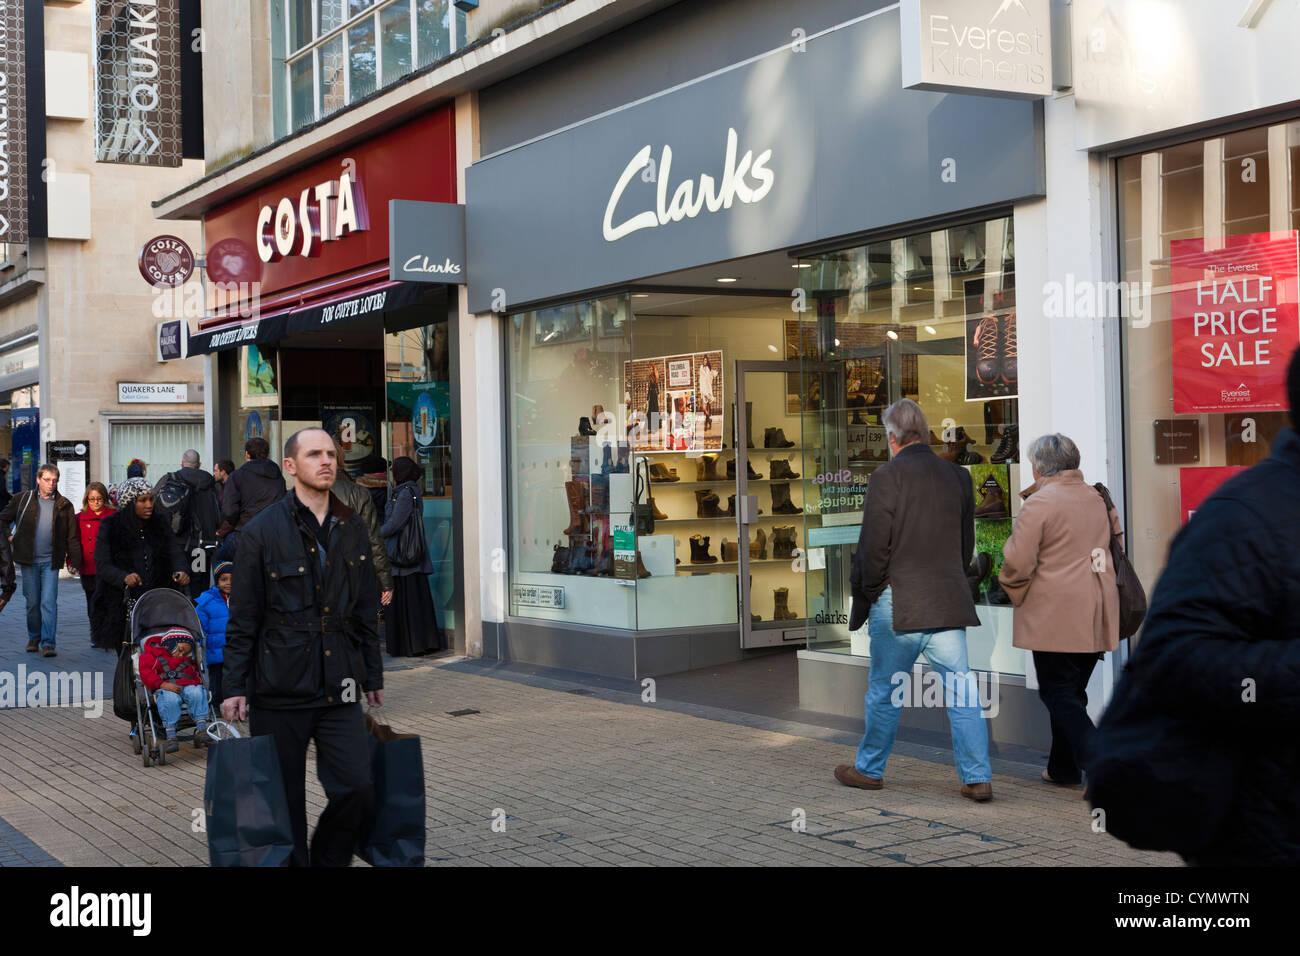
{"x":1197,"y":484}
{"x":1235,"y":322}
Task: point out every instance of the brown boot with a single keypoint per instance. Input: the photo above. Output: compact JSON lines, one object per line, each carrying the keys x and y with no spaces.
{"x":758,"y":547}
{"x":577,"y":507}
{"x":979,"y":792}
{"x":847,"y":775}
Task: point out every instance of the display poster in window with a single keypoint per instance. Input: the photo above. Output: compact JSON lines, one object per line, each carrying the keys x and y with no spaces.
{"x":674,"y":402}
{"x":72,"y":458}
{"x":257,"y":387}
{"x":1197,"y":484}
{"x":353,"y":427}
{"x":1234,"y":322}
{"x":991,"y":345}
{"x":420,"y":416}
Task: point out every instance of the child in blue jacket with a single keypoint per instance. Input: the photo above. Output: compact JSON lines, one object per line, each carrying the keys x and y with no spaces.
{"x":213,"y":606}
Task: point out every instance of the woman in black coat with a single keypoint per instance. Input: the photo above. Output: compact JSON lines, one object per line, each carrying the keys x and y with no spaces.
{"x":411,"y":622}
{"x":136,"y":552}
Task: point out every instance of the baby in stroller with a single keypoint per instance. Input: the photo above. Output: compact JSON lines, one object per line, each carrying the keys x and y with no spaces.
{"x":169,"y":669}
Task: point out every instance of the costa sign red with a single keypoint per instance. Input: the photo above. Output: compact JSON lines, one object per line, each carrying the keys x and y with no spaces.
{"x":166,"y":261}
{"x":314,"y":225}
{"x":1235,"y":322}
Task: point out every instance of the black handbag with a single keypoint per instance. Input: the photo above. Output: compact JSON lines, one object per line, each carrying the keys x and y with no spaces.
{"x":643,"y":513}
{"x":1132,"y":598}
{"x":408,"y":549}
{"x":124,"y":705}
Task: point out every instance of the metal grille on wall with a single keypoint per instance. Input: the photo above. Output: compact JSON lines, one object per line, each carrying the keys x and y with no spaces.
{"x":138,"y":82}
{"x":13,"y":125}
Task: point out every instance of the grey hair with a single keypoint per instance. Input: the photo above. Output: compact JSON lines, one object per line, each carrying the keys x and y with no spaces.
{"x":47,"y":469}
{"x":1052,"y":454}
{"x":190,"y":459}
{"x":906,"y":422}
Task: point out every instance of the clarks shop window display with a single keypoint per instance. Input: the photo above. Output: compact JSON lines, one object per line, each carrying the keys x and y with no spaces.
{"x":929,"y":316}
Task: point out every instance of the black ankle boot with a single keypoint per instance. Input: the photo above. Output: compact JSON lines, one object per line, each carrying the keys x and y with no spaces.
{"x":700,"y":550}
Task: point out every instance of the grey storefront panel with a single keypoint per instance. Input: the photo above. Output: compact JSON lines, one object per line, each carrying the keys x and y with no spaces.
{"x":687,"y":39}
{"x":851,"y":151}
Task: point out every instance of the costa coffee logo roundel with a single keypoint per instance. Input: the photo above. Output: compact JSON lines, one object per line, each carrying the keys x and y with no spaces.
{"x":166,"y":261}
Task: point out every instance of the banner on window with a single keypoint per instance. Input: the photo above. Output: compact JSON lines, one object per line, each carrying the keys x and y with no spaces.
{"x":1235,"y":322}
{"x":674,"y":402}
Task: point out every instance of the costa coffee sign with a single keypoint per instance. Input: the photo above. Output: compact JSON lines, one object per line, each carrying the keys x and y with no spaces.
{"x":323,"y":213}
{"x":166,"y":261}
{"x":328,"y":220}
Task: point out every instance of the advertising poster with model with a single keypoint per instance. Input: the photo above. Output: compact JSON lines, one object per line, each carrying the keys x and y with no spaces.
{"x":353,"y":426}
{"x":992,"y":348}
{"x":1234,"y":322}
{"x":257,"y":378}
{"x":674,"y":402}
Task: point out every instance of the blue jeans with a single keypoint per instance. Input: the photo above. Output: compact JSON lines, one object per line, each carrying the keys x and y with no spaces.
{"x":41,"y":591}
{"x":169,"y":704}
{"x":894,"y":653}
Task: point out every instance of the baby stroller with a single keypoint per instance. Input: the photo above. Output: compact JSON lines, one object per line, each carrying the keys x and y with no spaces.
{"x":150,"y":617}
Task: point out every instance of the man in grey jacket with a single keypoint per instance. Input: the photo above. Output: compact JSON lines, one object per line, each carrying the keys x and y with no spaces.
{"x":909,"y":578}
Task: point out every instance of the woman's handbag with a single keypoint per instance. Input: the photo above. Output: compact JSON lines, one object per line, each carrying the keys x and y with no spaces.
{"x":643,"y":513}
{"x":1132,"y":599}
{"x":408,"y":549}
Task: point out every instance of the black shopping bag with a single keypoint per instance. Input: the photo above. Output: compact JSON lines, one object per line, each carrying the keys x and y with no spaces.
{"x":248,"y":814}
{"x":394,"y":835}
{"x":124,"y":703}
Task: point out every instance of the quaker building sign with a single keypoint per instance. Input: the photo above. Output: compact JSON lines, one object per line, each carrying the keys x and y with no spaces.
{"x":13,"y":125}
{"x":138,"y":82}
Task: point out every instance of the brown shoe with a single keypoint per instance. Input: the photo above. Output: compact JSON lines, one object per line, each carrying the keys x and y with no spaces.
{"x":49,"y":652}
{"x":979,"y":792}
{"x":33,"y":647}
{"x":847,"y":775}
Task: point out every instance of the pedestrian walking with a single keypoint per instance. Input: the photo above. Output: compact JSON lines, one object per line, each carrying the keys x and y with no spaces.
{"x":221,"y":472}
{"x":187,"y":500}
{"x":374,"y":479}
{"x":8,"y":582}
{"x":135,"y":552}
{"x":213,"y":607}
{"x":303,"y":643}
{"x":45,"y":538}
{"x":359,"y":500}
{"x":1057,"y":571}
{"x":909,"y":576}
{"x":94,"y":509}
{"x":5,"y":495}
{"x":256,"y":484}
{"x":411,"y":627}
{"x":1197,"y":750}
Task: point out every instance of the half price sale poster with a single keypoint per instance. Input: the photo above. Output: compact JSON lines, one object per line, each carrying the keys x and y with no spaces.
{"x":1235,"y":322}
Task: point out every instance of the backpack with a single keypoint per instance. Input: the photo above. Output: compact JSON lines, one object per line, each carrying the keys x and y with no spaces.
{"x":173,"y":501}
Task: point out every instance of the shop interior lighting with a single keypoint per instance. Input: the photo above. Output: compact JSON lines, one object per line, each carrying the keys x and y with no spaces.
{"x":892,"y":334}
{"x":928,"y":328}
{"x":728,"y":279}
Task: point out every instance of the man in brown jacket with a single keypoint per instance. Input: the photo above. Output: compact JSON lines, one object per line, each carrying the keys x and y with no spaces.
{"x":1056,"y":569}
{"x":45,"y":537}
{"x":909,"y":576}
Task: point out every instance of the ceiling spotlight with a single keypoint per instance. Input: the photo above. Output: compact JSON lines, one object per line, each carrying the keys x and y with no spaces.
{"x":802,"y":265}
{"x":728,"y":279}
{"x":773,"y":348}
{"x":640,"y":295}
{"x":930,"y":329}
{"x":837,"y":343}
{"x":892,"y":334}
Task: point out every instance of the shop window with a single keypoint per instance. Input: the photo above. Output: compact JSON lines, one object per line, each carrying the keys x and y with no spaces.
{"x":931,"y":317}
{"x":328,"y":53}
{"x":1206,"y":232}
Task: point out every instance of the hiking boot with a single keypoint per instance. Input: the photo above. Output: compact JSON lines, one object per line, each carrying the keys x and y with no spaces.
{"x":775,"y":438}
{"x":780,"y":468}
{"x":988,"y":358}
{"x":979,"y":792}
{"x":992,"y":503}
{"x":1010,"y":350}
{"x":1009,"y":447}
{"x":849,"y":776}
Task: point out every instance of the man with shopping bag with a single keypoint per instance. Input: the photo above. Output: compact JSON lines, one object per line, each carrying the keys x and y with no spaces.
{"x":302,"y":646}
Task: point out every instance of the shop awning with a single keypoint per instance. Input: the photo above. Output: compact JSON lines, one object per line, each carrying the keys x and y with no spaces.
{"x":310,"y":316}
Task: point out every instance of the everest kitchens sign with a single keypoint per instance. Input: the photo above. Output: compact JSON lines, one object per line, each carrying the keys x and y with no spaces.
{"x":138,"y":82}
{"x":13,"y":125}
{"x":995,"y":47}
{"x":1235,"y":322}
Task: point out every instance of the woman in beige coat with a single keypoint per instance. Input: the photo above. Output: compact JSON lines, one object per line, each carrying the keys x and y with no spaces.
{"x":1057,"y":571}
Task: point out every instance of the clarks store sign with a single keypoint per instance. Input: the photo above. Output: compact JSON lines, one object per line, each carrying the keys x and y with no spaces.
{"x":997,"y":47}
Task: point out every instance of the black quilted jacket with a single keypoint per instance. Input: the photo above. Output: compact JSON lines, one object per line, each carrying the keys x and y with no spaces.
{"x":1225,"y":618}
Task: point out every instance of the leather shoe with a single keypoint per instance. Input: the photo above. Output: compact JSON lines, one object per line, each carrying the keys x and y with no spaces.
{"x":1060,"y":783}
{"x":847,"y":775}
{"x":49,"y":652}
{"x":979,"y":792}
{"x":33,"y":647}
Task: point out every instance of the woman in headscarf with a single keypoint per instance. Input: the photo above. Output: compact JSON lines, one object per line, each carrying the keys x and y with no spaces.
{"x":411,"y":622}
{"x":134,"y":552}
